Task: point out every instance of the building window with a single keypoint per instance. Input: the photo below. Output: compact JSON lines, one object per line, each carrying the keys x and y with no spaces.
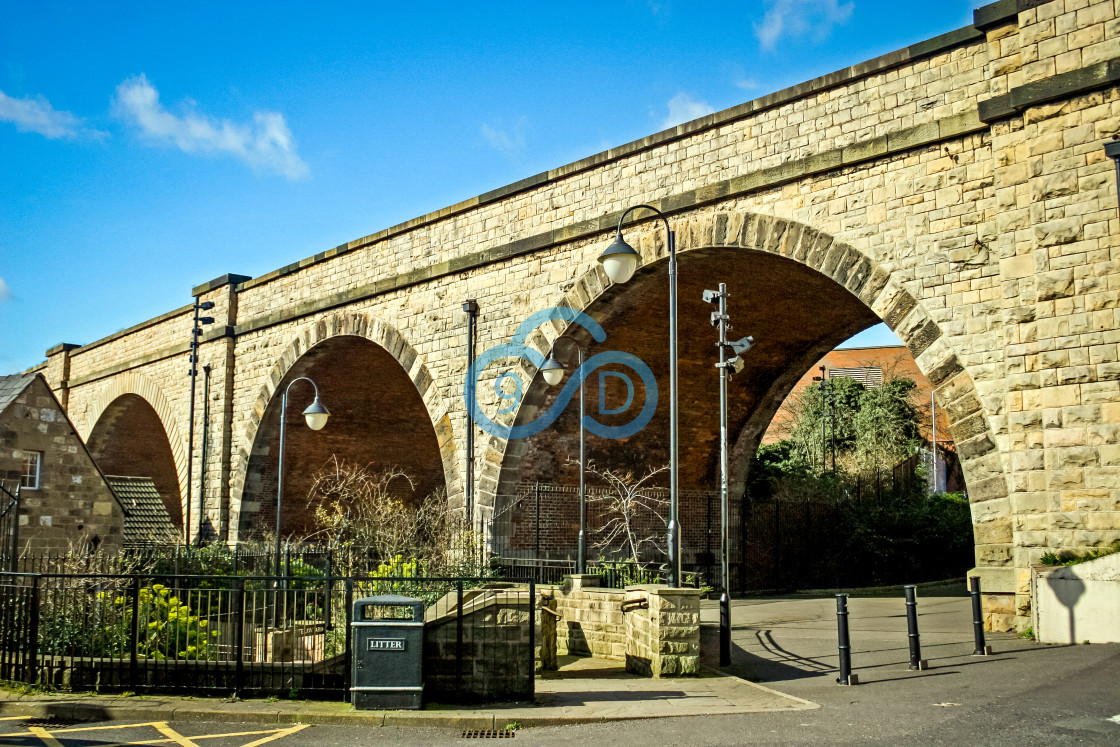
{"x":29,"y":479}
{"x":869,"y":376}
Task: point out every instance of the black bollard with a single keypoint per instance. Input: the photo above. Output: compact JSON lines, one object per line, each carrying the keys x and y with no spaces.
{"x":724,"y":630}
{"x":916,"y":661}
{"x":977,"y":618}
{"x":846,"y":677}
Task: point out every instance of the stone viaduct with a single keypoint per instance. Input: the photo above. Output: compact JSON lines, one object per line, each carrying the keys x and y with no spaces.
{"x":961,"y":190}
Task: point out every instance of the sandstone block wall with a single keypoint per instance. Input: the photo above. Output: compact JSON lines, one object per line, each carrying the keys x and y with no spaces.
{"x":73,"y":506}
{"x":653,"y":628}
{"x":662,"y":630}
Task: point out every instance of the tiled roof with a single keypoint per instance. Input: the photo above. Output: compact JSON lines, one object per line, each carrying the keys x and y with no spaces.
{"x":146,"y":521}
{"x":11,"y":387}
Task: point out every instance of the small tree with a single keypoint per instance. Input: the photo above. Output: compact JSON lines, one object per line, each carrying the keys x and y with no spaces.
{"x":630,"y":504}
{"x":886,"y":425}
{"x":357,"y":507}
{"x":873,"y":429}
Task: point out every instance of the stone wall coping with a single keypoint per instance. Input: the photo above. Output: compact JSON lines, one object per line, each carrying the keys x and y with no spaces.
{"x":1061,"y":86}
{"x":228,"y":279}
{"x":61,"y":347}
{"x":665,"y":590}
{"x":596,"y":590}
{"x":996,"y":14}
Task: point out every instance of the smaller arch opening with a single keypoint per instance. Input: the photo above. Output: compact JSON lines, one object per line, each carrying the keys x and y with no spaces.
{"x":129,"y":440}
{"x":378,"y":421}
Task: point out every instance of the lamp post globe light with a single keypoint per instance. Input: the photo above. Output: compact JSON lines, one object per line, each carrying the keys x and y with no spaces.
{"x":619,"y":261}
{"x":316,"y":416}
{"x":553,"y":373}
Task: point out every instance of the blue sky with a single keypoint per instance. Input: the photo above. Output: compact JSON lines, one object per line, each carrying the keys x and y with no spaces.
{"x":148,"y":147}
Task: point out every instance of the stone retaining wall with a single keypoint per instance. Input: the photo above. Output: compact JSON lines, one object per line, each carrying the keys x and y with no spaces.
{"x":655,"y":629}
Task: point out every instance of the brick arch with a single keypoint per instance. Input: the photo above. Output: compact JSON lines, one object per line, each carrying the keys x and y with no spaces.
{"x":131,"y":382}
{"x":384,"y":335}
{"x":865,"y":279}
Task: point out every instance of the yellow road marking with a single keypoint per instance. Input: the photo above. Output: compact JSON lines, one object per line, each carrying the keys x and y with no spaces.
{"x":282,"y":733}
{"x":162,"y":740}
{"x":169,"y":734}
{"x":45,"y":736}
{"x":163,"y":728}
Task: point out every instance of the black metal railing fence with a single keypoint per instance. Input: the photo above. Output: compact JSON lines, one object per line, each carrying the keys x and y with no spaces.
{"x":9,"y":528}
{"x":253,"y":635}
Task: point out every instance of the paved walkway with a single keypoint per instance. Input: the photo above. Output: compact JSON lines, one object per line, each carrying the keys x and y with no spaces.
{"x":582,"y":691}
{"x":786,"y":648}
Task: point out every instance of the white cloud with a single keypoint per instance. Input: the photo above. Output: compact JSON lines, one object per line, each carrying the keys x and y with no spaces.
{"x":510,"y":141}
{"x":266,"y":143}
{"x":800,"y":18}
{"x":683,"y":109}
{"x":37,"y":115}
{"x":5,"y":292}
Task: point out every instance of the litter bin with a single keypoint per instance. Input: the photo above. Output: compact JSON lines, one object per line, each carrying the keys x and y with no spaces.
{"x":388,"y":644}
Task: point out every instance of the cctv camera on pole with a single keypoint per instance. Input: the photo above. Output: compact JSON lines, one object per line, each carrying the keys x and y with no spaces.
{"x":734,"y":365}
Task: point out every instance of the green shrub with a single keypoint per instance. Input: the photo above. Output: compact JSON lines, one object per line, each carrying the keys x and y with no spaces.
{"x":1069,"y":557}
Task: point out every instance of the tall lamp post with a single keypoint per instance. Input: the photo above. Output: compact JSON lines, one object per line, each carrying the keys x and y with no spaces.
{"x":553,"y":372}
{"x":619,"y":261}
{"x":316,"y":416}
{"x":196,"y":332}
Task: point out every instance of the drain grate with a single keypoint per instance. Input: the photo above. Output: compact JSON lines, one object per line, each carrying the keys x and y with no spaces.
{"x":489,"y":734}
{"x":53,"y":722}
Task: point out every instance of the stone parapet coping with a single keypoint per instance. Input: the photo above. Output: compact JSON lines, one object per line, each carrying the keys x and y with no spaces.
{"x":1061,"y":86}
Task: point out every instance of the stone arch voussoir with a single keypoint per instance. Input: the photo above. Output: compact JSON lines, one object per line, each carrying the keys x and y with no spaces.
{"x":131,"y":382}
{"x":867,"y":280}
{"x":387,"y":337}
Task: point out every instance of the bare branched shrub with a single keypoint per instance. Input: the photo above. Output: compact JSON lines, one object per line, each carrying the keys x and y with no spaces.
{"x":357,"y":508}
{"x":632,"y":507}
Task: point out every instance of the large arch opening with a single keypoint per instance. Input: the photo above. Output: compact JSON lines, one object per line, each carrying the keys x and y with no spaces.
{"x":378,"y":420}
{"x":129,"y":439}
{"x":797,"y":306}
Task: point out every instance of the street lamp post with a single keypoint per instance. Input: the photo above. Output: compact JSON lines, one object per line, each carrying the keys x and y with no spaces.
{"x":196,"y":332}
{"x":553,"y":372}
{"x":316,"y":416}
{"x":619,"y":261}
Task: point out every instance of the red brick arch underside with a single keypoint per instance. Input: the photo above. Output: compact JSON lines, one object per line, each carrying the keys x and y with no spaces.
{"x":333,"y":326}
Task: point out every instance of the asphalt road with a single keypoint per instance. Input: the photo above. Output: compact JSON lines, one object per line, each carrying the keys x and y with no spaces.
{"x":1025,"y":694}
